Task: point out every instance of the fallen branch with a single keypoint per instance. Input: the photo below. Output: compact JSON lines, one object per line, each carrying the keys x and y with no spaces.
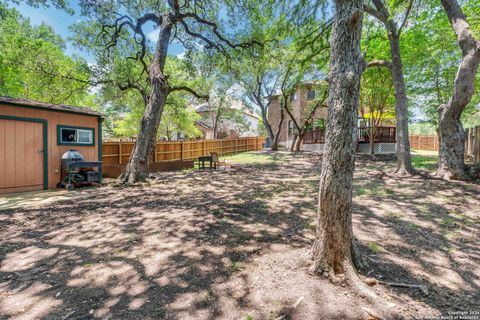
{"x":406,"y":285}
{"x":372,"y":282}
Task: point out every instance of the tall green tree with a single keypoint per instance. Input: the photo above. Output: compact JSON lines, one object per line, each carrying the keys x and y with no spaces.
{"x":431,"y":56}
{"x":388,"y":13}
{"x":452,"y":136}
{"x":119,"y":23}
{"x":30,"y":59}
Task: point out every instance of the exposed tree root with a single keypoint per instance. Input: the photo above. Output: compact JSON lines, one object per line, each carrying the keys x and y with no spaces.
{"x":404,"y":172}
{"x":446,"y":174}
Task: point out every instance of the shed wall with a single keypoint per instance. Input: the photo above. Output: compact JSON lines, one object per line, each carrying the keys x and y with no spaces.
{"x":55,"y":118}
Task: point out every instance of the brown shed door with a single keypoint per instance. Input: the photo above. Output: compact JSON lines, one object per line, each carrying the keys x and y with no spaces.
{"x":21,"y":156}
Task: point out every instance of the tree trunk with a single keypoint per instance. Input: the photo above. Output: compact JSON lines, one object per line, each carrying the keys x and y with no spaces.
{"x":137,"y":166}
{"x":266,"y":124}
{"x":274,"y":146}
{"x":294,"y":141}
{"x":451,"y":134}
{"x":371,"y":137}
{"x":404,"y":161}
{"x":372,"y":145}
{"x":298,"y":142}
{"x":333,"y":246}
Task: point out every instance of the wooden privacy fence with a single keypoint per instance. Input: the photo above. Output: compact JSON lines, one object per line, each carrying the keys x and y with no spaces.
{"x":430,"y":142}
{"x":472,"y":144}
{"x":424,"y":142}
{"x":118,"y":152}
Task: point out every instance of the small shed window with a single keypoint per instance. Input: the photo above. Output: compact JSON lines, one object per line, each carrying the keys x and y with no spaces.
{"x":68,"y":135}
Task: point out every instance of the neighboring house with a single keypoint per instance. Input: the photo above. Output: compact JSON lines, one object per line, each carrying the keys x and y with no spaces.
{"x":385,"y":137}
{"x":240,"y":121}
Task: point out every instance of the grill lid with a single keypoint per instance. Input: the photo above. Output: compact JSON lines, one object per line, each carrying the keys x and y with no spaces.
{"x":72,"y":155}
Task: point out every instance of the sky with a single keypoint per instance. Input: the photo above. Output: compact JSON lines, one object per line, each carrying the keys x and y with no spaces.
{"x":61,"y":21}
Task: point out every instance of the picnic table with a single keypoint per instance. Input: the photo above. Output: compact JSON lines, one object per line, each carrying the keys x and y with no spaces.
{"x":202,"y":160}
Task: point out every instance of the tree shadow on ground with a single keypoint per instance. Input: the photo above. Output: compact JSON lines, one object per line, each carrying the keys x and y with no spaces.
{"x":421,"y":230}
{"x":187,"y":245}
{"x":150,"y":252}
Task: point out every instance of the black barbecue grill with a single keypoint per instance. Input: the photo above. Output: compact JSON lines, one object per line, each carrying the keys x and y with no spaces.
{"x":77,"y":172}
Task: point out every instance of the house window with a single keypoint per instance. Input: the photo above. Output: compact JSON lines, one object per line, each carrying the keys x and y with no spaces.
{"x":293,"y":97}
{"x":75,"y":136}
{"x":311,"y":94}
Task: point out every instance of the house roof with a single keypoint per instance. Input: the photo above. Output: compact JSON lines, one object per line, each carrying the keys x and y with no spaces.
{"x":235,"y":104}
{"x":204,"y":107}
{"x":48,"y":106}
{"x":203,"y":124}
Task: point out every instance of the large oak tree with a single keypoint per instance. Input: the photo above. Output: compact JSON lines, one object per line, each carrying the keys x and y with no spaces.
{"x":452,"y":135}
{"x":192,"y":23}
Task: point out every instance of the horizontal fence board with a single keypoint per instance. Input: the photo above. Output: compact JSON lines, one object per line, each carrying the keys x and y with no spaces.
{"x":118,"y":152}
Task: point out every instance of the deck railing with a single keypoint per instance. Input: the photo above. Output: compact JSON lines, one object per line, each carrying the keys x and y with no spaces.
{"x":314,"y":136}
{"x":382,"y":134}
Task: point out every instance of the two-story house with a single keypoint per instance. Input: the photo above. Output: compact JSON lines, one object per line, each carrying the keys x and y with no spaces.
{"x":299,"y":100}
{"x":384,"y":140}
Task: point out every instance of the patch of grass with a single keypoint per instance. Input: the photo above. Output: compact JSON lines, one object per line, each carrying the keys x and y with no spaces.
{"x":361,"y":191}
{"x":447,"y":222}
{"x":394,"y":215}
{"x":389,"y":191}
{"x":425,"y":160}
{"x":248,"y":317}
{"x":375,"y":247}
{"x":425,"y":211}
{"x":413,"y":226}
{"x":235,"y":266}
{"x":252,"y":157}
{"x":451,"y":235}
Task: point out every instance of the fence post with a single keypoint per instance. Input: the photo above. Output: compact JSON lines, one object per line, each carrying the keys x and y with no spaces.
{"x":236,"y":145}
{"x":120,"y":156}
{"x":155,"y":156}
{"x":203,"y":148}
{"x":221,"y":147}
{"x":181,"y":151}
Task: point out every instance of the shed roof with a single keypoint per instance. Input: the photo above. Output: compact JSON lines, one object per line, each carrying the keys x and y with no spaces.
{"x":48,"y":106}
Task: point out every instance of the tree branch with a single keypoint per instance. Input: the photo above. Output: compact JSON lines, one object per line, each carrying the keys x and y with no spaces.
{"x":214,"y":28}
{"x":409,"y":9}
{"x":460,"y":26}
{"x":379,"y":63}
{"x":189,"y":90}
{"x":375,"y":13}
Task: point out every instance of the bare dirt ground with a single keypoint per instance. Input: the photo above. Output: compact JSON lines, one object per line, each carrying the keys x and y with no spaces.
{"x":235,"y":244}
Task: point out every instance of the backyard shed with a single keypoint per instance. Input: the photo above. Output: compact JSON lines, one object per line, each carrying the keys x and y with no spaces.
{"x":33,"y":137}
